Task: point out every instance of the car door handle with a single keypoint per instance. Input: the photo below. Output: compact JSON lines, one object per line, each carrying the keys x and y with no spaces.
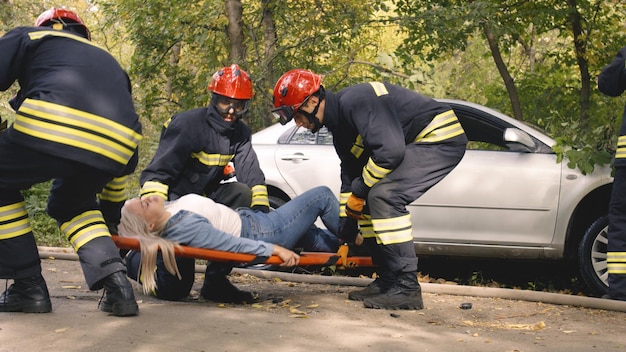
{"x":294,"y":157}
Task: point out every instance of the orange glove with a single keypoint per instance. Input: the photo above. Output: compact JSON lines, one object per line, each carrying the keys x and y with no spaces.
{"x":354,"y":207}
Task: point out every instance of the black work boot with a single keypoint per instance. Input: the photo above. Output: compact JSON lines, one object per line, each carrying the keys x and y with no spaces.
{"x":405,"y":293}
{"x":380,"y":285}
{"x":119,"y":297}
{"x":29,"y":295}
{"x":219,"y":289}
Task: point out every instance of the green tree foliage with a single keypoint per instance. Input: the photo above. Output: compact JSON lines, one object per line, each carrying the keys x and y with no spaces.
{"x":178,"y":45}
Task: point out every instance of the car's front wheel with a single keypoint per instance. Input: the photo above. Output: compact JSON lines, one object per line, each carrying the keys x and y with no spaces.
{"x":592,"y":256}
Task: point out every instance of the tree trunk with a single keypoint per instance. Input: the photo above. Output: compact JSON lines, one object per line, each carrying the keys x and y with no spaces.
{"x":269,"y":44}
{"x":173,"y":62}
{"x":580,"y":46}
{"x":504,"y":72}
{"x":234,"y":11}
{"x":269,"y":38}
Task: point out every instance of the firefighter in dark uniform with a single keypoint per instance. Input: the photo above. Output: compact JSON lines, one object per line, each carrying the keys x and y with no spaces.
{"x":612,"y":82}
{"x":194,"y":151}
{"x":76,"y":125}
{"x":394,"y":144}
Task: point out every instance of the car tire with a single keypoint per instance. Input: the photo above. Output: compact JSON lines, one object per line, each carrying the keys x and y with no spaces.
{"x":592,"y":256}
{"x":276,"y":202}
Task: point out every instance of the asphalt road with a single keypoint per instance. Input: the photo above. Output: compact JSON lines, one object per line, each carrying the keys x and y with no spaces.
{"x":295,"y":316}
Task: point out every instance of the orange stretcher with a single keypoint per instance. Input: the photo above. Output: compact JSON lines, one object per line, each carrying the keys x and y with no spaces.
{"x":340,"y":258}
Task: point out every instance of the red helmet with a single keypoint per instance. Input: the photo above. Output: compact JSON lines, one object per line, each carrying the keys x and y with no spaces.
{"x":291,"y":90}
{"x":65,"y":17}
{"x":232,"y":82}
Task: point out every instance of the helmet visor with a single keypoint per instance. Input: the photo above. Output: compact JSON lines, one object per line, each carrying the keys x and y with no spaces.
{"x":284,"y":114}
{"x":226,"y":105}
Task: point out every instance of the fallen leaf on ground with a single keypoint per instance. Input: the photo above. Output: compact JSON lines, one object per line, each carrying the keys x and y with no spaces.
{"x":294,"y":310}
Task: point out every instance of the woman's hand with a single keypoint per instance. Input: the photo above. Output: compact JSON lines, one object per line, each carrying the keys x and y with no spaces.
{"x":289,"y":257}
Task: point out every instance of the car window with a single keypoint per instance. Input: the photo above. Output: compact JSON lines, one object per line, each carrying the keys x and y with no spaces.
{"x":324,"y":136}
{"x":304,"y":136}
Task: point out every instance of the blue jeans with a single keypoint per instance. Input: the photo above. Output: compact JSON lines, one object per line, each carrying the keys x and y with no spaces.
{"x":292,"y":225}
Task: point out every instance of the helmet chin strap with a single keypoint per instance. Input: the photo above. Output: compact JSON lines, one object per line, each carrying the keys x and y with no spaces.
{"x":311,"y":116}
{"x":312,"y":119}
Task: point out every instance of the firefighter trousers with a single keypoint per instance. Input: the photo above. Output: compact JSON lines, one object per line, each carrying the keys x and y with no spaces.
{"x":423,"y":166}
{"x":72,"y":202}
{"x":616,"y":247}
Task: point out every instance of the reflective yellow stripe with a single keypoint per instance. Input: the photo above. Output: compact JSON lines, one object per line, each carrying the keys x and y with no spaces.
{"x":614,"y":268}
{"x":379,"y":88}
{"x":154,"y":188}
{"x":167,"y":123}
{"x":259,"y":196}
{"x":14,"y":221}
{"x":84,"y":228}
{"x":40,"y":34}
{"x":358,"y":147}
{"x":115,"y":190}
{"x":373,"y":173}
{"x":76,"y":128}
{"x":616,"y":262}
{"x":212,"y":159}
{"x":619,"y":257}
{"x":343,"y":199}
{"x":394,"y":230}
{"x":443,"y":126}
{"x":620,"y":153}
{"x":366,"y":228}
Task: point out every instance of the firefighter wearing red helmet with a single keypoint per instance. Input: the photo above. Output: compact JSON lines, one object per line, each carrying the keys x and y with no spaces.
{"x":76,"y":125}
{"x":60,"y":18}
{"x":394,"y":144}
{"x":195,"y":150}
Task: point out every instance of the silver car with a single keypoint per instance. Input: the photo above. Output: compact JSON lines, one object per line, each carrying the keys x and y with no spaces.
{"x":508,"y":198}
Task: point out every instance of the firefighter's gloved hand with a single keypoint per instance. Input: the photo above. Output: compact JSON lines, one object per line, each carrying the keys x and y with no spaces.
{"x":354,"y":207}
{"x":261,"y":208}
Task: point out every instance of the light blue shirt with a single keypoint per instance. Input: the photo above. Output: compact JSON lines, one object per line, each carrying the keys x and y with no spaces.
{"x":190,"y":229}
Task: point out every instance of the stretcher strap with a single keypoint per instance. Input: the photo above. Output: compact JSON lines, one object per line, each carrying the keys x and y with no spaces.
{"x":258,"y":260}
{"x":332,"y":260}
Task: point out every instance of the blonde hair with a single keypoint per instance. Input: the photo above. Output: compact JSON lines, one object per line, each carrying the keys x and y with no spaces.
{"x":133,"y":225}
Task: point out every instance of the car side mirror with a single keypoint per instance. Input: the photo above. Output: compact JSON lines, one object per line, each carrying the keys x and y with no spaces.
{"x":519,"y":141}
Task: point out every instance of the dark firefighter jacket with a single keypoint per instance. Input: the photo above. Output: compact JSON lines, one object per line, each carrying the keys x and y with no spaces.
{"x":70,"y":104}
{"x":373,"y":122}
{"x":194,"y":148}
{"x":612,"y":82}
